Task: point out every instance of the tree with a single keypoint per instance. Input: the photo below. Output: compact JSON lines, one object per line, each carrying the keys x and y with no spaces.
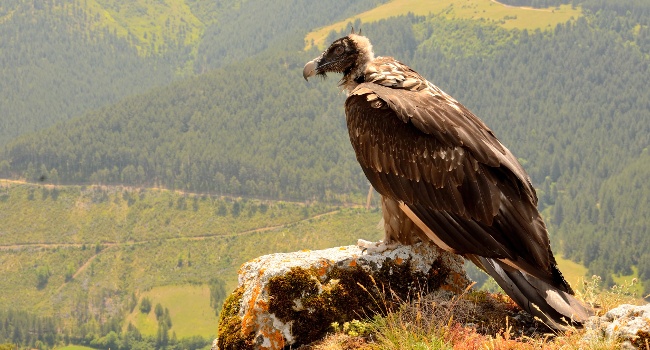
{"x":159,"y":311}
{"x":236,"y":209}
{"x":217,"y":294}
{"x":42,"y":276}
{"x":234,"y":186}
{"x":69,"y":272}
{"x":145,"y":305}
{"x":162,"y":334}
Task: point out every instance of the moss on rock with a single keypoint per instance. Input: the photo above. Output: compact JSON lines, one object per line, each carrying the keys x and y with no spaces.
{"x":292,"y":299}
{"x":231,"y":336}
{"x":313,"y":302}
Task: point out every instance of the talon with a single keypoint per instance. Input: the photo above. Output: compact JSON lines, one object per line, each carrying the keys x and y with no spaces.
{"x":375,"y":247}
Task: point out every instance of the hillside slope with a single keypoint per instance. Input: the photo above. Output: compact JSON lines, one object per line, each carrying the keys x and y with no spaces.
{"x":56,"y":64}
{"x":572,"y":103}
{"x":490,"y":11}
{"x":61,"y":59}
{"x":86,"y":256}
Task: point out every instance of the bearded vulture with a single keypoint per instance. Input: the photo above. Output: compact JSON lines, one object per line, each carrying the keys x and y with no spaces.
{"x":445,"y":178}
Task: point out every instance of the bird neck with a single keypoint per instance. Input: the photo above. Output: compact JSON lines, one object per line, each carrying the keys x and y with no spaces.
{"x":365,"y":55}
{"x":353,"y":78}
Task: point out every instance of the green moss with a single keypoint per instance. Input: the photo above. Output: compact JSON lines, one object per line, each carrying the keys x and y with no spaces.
{"x":407,"y":284}
{"x":229,"y":330}
{"x":312,"y":315}
{"x":348,"y":293}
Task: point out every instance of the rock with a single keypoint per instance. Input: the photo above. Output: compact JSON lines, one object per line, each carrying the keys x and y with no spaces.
{"x":628,"y":324}
{"x":291,"y":299}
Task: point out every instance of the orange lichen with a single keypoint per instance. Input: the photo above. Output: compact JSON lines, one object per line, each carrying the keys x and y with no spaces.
{"x":275,"y":337}
{"x":322,"y":269}
{"x":297,"y":307}
{"x":249,"y":320}
{"x":642,"y":340}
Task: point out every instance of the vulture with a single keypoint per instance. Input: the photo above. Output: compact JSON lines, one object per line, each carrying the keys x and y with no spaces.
{"x":445,"y":178}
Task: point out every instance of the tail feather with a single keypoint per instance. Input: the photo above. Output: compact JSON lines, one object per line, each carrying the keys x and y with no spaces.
{"x":556,"y":308}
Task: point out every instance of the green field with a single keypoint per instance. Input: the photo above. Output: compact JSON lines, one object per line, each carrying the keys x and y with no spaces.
{"x":189,"y":307}
{"x":75,"y":347}
{"x":626,"y":281}
{"x":489,"y":11}
{"x":111,"y":215}
{"x":573,"y":272}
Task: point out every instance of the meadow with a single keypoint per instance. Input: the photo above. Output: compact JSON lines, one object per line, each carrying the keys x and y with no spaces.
{"x":489,"y":11}
{"x":71,"y":251}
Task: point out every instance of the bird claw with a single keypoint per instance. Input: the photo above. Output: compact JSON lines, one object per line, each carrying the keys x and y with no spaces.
{"x":375,"y":247}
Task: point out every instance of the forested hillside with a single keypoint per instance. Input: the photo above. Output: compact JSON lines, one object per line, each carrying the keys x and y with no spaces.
{"x":256,"y":25}
{"x":566,"y":102}
{"x":59,"y":59}
{"x":54,"y":65}
{"x":206,"y":135}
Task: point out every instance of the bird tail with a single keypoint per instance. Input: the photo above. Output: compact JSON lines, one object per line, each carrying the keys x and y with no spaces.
{"x":555,"y":307}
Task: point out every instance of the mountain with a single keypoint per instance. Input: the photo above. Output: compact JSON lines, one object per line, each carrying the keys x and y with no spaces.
{"x":63,"y":58}
{"x":208,"y":134}
{"x":229,"y":114}
{"x":58,"y":61}
{"x":565,"y":101}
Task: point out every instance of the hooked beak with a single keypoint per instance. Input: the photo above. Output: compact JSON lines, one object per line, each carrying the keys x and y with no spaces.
{"x":310,"y":68}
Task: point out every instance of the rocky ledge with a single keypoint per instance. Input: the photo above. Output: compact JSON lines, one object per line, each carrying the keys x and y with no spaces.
{"x":289,"y":299}
{"x":626,"y":324}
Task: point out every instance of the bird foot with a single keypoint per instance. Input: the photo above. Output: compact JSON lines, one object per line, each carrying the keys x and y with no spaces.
{"x":376,"y":247}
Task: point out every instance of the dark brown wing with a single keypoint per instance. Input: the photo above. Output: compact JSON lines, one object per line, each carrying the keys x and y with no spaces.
{"x":428,"y":151}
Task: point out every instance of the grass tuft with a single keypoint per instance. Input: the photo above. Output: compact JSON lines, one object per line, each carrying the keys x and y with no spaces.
{"x":474,"y":320}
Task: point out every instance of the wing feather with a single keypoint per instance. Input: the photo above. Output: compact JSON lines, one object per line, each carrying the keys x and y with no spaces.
{"x":428,"y":151}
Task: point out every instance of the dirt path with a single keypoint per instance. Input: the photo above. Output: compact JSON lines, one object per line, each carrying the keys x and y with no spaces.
{"x":107,"y":245}
{"x":85,"y":265}
{"x":81,"y":269}
{"x":188,"y":238}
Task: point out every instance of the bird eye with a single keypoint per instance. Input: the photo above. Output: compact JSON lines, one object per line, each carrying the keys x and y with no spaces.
{"x":339,"y":50}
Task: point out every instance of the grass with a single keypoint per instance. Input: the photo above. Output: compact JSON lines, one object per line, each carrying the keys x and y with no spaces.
{"x":117,"y":241}
{"x":437,"y":321}
{"x":631,"y":281}
{"x":34,"y":214}
{"x":484,"y":10}
{"x":573,"y":272}
{"x":577,"y":274}
{"x":189,"y":308}
{"x":74,"y":347}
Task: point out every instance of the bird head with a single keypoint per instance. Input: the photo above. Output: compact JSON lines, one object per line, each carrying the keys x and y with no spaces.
{"x":348,"y":55}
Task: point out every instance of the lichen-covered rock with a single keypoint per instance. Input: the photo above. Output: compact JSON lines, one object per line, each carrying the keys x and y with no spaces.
{"x":293,"y":298}
{"x":628,"y":324}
